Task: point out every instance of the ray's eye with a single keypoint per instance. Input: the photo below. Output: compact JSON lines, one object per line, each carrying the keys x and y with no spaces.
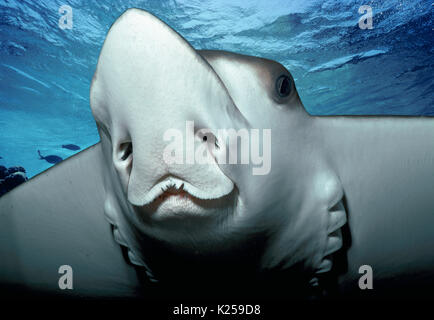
{"x":283,"y":86}
{"x":127,"y":150}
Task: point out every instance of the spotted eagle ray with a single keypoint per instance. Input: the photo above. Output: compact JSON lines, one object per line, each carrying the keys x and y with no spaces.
{"x":357,"y":188}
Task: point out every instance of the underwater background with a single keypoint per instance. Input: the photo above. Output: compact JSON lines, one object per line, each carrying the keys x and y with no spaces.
{"x":339,"y":68}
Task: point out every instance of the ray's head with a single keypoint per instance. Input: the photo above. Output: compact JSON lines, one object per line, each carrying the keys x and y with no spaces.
{"x":150,"y":84}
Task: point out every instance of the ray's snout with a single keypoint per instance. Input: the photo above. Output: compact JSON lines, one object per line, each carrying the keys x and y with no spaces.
{"x":162,"y":84}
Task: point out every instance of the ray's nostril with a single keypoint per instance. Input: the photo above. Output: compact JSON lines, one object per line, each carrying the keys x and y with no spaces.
{"x":127,"y":150}
{"x":205,"y":138}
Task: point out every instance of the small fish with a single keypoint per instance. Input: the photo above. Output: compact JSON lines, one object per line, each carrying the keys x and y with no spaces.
{"x":1,"y":157}
{"x":50,"y":158}
{"x":71,"y":146}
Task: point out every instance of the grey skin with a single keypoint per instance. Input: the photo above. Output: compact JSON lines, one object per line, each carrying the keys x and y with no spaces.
{"x":342,"y":191}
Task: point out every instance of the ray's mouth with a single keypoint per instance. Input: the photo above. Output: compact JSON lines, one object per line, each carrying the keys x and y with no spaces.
{"x":174,"y":197}
{"x":171,"y":187}
{"x":173,"y":191}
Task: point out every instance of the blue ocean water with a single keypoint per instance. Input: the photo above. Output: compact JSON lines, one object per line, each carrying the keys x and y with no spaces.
{"x":339,"y":68}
